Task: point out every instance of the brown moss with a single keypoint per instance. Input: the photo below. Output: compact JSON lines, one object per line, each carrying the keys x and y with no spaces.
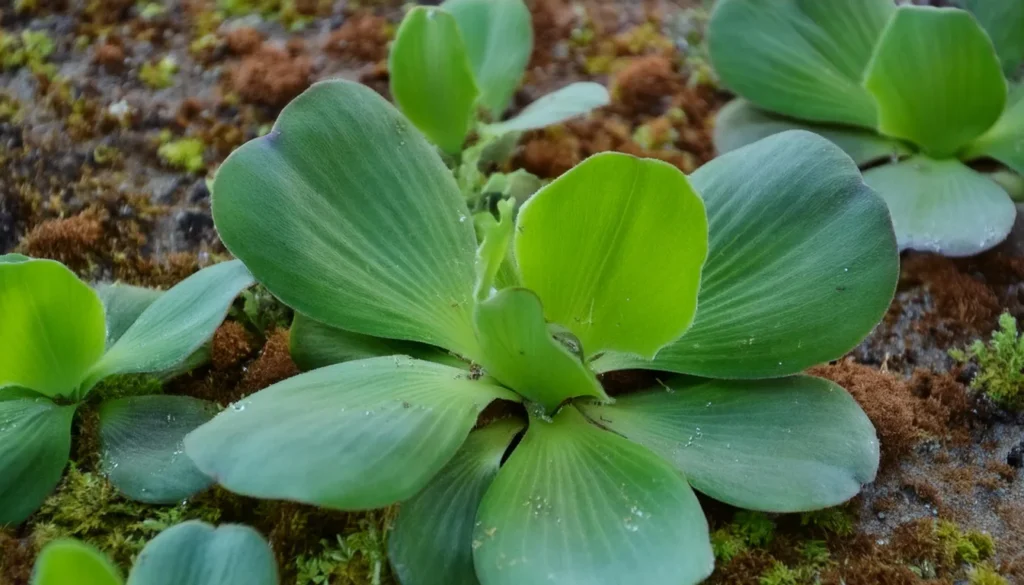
{"x":645,"y":82}
{"x":271,"y":76}
{"x":109,"y":56}
{"x":244,"y":40}
{"x":362,"y":37}
{"x":959,"y":297}
{"x":17,"y":556}
{"x":231,"y":344}
{"x":551,"y":154}
{"x":72,"y":240}
{"x":273,"y":364}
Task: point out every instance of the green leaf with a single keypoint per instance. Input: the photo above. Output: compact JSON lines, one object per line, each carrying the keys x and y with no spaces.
{"x":51,"y":327}
{"x":498,"y":37}
{"x":143,"y":454}
{"x":70,"y":562}
{"x":740,"y":123}
{"x":575,"y":504}
{"x":494,"y":250}
{"x":347,"y":215}
{"x":943,"y":206}
{"x":1003,"y":21}
{"x":35,"y":441}
{"x":357,"y":435}
{"x":799,"y":58}
{"x":576,"y":99}
{"x":431,"y":79}
{"x":1004,"y":141}
{"x":432,"y":542}
{"x":122,"y":305}
{"x":519,"y":351}
{"x":614,"y":249}
{"x":175,"y":325}
{"x":802,"y":263}
{"x":13,"y":259}
{"x":195,"y":553}
{"x":936,"y":79}
{"x":783,"y":445}
{"x":315,"y":345}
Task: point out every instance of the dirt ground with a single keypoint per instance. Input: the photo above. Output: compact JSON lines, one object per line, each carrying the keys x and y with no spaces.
{"x":108,"y":137}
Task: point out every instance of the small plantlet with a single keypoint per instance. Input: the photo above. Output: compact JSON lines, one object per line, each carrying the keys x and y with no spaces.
{"x":159,"y":75}
{"x":185,"y":154}
{"x":346,"y":214}
{"x":1000,"y":364}
{"x":916,"y":93}
{"x":62,"y":338}
{"x":190,"y":553}
{"x":455,"y":65}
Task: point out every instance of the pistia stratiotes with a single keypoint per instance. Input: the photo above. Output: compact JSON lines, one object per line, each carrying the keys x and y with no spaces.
{"x":348,"y":215}
{"x":913,"y":92}
{"x":61,"y":338}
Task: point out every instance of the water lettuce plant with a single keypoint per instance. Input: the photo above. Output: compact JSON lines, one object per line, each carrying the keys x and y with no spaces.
{"x":61,"y":338}
{"x":453,"y":64}
{"x":348,"y":215}
{"x":912,"y":93}
{"x":190,"y":553}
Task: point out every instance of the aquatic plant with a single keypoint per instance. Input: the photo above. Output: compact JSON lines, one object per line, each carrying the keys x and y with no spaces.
{"x":452,"y":64}
{"x":61,"y":338}
{"x":348,"y":215}
{"x":915,"y":93}
{"x":190,"y":553}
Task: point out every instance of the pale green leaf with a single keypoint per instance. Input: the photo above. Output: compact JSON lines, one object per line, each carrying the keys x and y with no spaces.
{"x":943,"y":206}
{"x":35,"y":441}
{"x":518,"y":350}
{"x":1004,"y":141}
{"x":577,"y":505}
{"x":431,"y":79}
{"x":432,"y":542}
{"x":614,"y":250}
{"x":936,"y":79}
{"x":70,"y":562}
{"x":799,"y":58}
{"x":494,"y":250}
{"x":122,"y":305}
{"x":575,"y":99}
{"x":782,"y":445}
{"x":347,"y":215}
{"x":740,"y":123}
{"x":356,"y":435}
{"x":498,"y":38}
{"x":1003,"y":20}
{"x":175,"y":325}
{"x":802,"y":263}
{"x":13,"y":258}
{"x":195,"y":553}
{"x":51,"y":327}
{"x":142,"y":450}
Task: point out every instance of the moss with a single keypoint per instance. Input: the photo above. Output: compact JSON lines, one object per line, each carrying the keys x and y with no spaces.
{"x":30,"y":48}
{"x":1000,"y":364}
{"x":985,"y":575}
{"x":970,"y":547}
{"x":127,"y":385}
{"x":358,"y":558}
{"x":159,"y":75}
{"x":814,"y":552}
{"x":185,"y":154}
{"x":838,"y":520}
{"x":780,"y":574}
{"x":727,"y":545}
{"x":756,"y":528}
{"x":9,"y":108}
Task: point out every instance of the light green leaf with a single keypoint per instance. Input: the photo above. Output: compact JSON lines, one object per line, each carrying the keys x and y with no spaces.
{"x":175,"y":325}
{"x":122,"y":305}
{"x":577,"y":505}
{"x":1004,"y":141}
{"x":783,"y":445}
{"x":614,"y":249}
{"x":431,"y":79}
{"x":432,"y":542}
{"x":143,"y":454}
{"x":315,"y":345}
{"x":740,"y":123}
{"x":35,"y":441}
{"x":1003,"y":21}
{"x":799,"y":58}
{"x":358,"y":435}
{"x":51,"y":327}
{"x":802,"y":263}
{"x":943,"y":206}
{"x":498,"y":37}
{"x":936,"y":79}
{"x":519,"y":351}
{"x":195,"y":553}
{"x":494,"y":250}
{"x":347,"y":215}
{"x":70,"y":562}
{"x":576,"y":99}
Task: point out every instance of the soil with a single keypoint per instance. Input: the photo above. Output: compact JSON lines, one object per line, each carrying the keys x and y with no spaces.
{"x":81,"y":181}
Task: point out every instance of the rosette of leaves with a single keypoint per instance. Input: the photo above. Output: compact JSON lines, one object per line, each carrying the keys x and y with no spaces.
{"x":190,"y":553}
{"x":459,"y":64}
{"x":348,"y":215}
{"x":913,"y":94}
{"x":61,"y":338}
